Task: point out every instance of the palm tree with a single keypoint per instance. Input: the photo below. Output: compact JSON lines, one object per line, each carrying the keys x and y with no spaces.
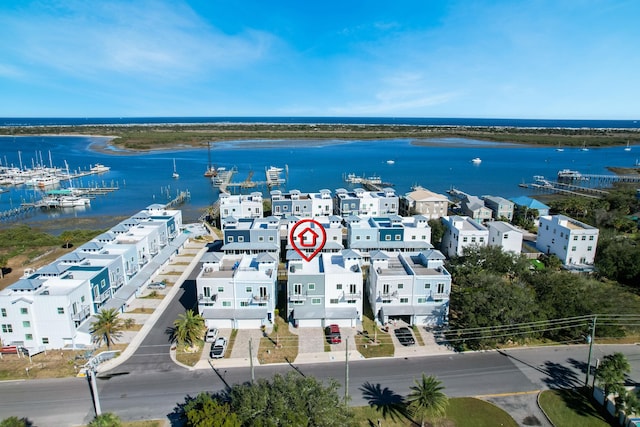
{"x":188,"y":328}
{"x":427,"y":399}
{"x":611,"y":373}
{"x":107,"y":327}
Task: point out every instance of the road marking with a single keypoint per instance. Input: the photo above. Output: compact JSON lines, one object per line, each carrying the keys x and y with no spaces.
{"x":515,"y":393}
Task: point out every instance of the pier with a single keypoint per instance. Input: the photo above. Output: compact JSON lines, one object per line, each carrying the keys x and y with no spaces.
{"x":571,"y":182}
{"x":272,"y":179}
{"x":371,"y":183}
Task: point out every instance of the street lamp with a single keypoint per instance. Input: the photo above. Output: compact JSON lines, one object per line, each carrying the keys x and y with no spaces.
{"x":91,"y":377}
{"x":590,"y":339}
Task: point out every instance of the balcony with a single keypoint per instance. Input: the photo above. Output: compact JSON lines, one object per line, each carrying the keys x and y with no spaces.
{"x":393,"y":295}
{"x":439,"y":296}
{"x":203,"y":299}
{"x":102,"y":297}
{"x":297,"y":297}
{"x":260,"y":298}
{"x":355,"y":295}
{"x":83,"y":314}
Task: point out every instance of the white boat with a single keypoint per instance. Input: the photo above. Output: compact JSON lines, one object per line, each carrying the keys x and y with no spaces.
{"x":584,"y":147}
{"x":559,"y":148}
{"x":100,"y":168}
{"x":391,"y":162}
{"x":476,"y":160}
{"x":175,"y":174}
{"x":73,"y":201}
{"x":627,"y":148}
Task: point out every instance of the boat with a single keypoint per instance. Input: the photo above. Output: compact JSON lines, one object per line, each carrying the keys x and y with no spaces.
{"x":99,"y":168}
{"x":584,"y":147}
{"x":175,"y":174}
{"x":559,"y":149}
{"x":476,"y":160}
{"x":627,"y":148}
{"x":211,"y":171}
{"x":391,"y":162}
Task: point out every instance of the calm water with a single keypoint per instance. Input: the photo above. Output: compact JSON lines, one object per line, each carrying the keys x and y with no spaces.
{"x":146,"y":178}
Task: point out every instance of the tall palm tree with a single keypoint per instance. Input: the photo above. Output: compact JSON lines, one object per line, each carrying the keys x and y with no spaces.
{"x":107,"y":327}
{"x":188,"y":328}
{"x":427,"y":399}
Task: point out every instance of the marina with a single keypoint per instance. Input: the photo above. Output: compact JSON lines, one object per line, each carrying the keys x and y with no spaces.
{"x":223,"y":177}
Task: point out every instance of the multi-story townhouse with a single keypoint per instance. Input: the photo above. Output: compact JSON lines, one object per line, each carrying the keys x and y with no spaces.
{"x":461,"y":231}
{"x":301,"y":205}
{"x":501,"y":207}
{"x":393,"y":233}
{"x":251,"y":236}
{"x":241,"y":206}
{"x":366,"y":203}
{"x":326,"y":290}
{"x":414,"y":287}
{"x":474,"y":207}
{"x":237,"y":291}
{"x":424,"y":202}
{"x":333,"y":229}
{"x":505,"y":235}
{"x":573,"y":241}
{"x":52,"y":306}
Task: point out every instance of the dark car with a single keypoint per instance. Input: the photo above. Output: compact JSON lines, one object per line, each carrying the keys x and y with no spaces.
{"x":218,"y":348}
{"x":405,"y":336}
{"x":333,"y":334}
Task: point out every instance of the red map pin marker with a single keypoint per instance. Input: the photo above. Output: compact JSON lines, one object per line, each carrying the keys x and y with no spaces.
{"x":311,"y":235}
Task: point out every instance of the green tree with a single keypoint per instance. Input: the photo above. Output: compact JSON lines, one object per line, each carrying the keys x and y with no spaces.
{"x":427,"y":400}
{"x":611,"y":373}
{"x":4,"y":260}
{"x":15,"y":422}
{"x":108,"y":419}
{"x":67,"y":238}
{"x":290,"y":400}
{"x":617,"y":259}
{"x":205,"y":411}
{"x":437,"y":231}
{"x":107,"y":327}
{"x":491,"y":259}
{"x":188,"y":328}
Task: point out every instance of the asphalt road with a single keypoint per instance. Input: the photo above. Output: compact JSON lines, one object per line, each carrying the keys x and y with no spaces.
{"x":156,"y":393}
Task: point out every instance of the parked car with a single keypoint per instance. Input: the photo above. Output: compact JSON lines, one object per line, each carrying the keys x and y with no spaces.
{"x":405,"y":336}
{"x":157,"y":285}
{"x":211,"y":335}
{"x":218,"y":348}
{"x":332,"y":333}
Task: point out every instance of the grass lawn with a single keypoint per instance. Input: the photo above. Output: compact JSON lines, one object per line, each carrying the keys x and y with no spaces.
{"x":145,"y":423}
{"x":383,"y":345}
{"x":416,"y":333}
{"x":571,"y":408}
{"x":287,"y":348}
{"x":189,"y":356}
{"x":461,"y":412}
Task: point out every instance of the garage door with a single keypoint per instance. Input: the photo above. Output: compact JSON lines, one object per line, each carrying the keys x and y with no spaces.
{"x":310,"y":323}
{"x":248,"y":323}
{"x":220,"y":323}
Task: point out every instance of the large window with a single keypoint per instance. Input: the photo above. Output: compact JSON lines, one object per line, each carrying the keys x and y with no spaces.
{"x":316,"y":301}
{"x":24,"y":310}
{"x":3,"y":312}
{"x":7,"y":328}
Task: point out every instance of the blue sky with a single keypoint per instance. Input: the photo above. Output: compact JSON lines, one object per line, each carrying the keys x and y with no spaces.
{"x":415,"y":58}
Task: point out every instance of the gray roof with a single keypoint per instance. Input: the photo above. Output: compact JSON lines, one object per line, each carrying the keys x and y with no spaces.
{"x":74,"y":256}
{"x":349,"y":253}
{"x":265,"y":257}
{"x":259,"y":246}
{"x":26,"y":284}
{"x":91,"y":246}
{"x":108,"y":236}
{"x":53,"y":268}
{"x":433,"y":254}
{"x":212,"y":257}
{"x":379,"y":255}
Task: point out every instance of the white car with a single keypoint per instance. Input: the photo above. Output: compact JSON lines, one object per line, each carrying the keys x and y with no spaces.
{"x":156,"y":285}
{"x":211,"y":335}
{"x":219,"y":348}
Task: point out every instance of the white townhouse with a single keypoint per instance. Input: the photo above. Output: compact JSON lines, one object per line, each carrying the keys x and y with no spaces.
{"x":241,"y":206}
{"x":52,"y":307}
{"x":414,"y":287}
{"x":326,"y":290}
{"x":237,"y":291}
{"x":301,"y":205}
{"x":501,"y":207}
{"x":366,"y":203}
{"x":252,"y":236}
{"x":390,"y":233}
{"x":333,"y":229}
{"x":505,"y":235}
{"x":461,"y":232}
{"x":424,"y":202}
{"x":573,"y":241}
{"x":475,"y":208}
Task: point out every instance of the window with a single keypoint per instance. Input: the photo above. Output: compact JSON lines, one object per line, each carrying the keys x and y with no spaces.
{"x":7,"y":328}
{"x":352,"y":289}
{"x":3,"y":311}
{"x":404,"y":300}
{"x":60,"y":310}
{"x":584,"y":237}
{"x":297,"y":288}
{"x":398,"y":237}
{"x":244,"y":303}
{"x":440,"y":288}
{"x":339,"y":286}
{"x":271,"y":238}
{"x":357,"y":237}
{"x":82,"y":298}
{"x":207,"y":291}
{"x":248,"y":289}
{"x":261,"y":239}
{"x":28,"y":337}
{"x":589,"y":248}
{"x":464,"y":239}
{"x":590,"y":237}
{"x":387,"y":237}
{"x":427,"y":285}
{"x":45,"y":340}
{"x":413,"y":237}
{"x":226,"y":303}
{"x":333,"y":301}
{"x":385,"y":289}
{"x":311,"y":286}
{"x":24,"y":310}
{"x":368,"y":237}
{"x":481,"y":239}
{"x":575,"y":237}
{"x":473,"y":239}
{"x":316,"y":301}
{"x":506,"y":235}
{"x":573,"y":248}
{"x":26,"y":324}
{"x":240,"y":238}
{"x":220,"y":288}
{"x":400,"y":285}
{"x":230,"y":239}
{"x":561,"y":234}
{"x":422,"y":300}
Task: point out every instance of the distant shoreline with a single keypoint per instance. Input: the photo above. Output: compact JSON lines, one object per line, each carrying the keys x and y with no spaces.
{"x":136,"y":138}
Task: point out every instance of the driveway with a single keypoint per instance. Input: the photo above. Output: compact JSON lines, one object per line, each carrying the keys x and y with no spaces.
{"x":310,"y":340}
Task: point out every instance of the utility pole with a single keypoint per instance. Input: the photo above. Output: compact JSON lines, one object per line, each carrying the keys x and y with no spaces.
{"x":91,"y":374}
{"x":346,"y":371}
{"x":591,"y":338}
{"x":253,"y":374}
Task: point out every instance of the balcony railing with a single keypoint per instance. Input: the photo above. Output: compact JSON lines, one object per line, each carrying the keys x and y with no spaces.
{"x":102,"y":297}
{"x":82,"y":314}
{"x":355,"y":295}
{"x":261,"y":298}
{"x":297,"y":297}
{"x":387,"y":295}
{"x":203,"y":299}
{"x":439,"y":295}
